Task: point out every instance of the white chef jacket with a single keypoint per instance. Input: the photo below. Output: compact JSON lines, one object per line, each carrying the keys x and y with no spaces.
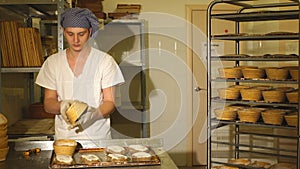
{"x":100,"y":71}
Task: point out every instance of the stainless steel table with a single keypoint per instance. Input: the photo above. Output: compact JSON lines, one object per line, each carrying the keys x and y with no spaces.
{"x":16,"y":160}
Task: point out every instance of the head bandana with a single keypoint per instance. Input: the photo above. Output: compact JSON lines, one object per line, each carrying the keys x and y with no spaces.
{"x":79,"y":17}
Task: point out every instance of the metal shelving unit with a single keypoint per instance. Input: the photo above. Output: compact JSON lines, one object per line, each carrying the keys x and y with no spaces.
{"x":250,"y":11}
{"x":24,"y":12}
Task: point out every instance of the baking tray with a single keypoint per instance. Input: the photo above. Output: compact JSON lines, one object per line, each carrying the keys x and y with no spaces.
{"x":101,"y":153}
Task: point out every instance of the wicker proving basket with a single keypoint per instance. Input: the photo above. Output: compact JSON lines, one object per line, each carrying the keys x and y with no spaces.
{"x":229,"y":93}
{"x":3,"y":153}
{"x":230,"y":73}
{"x":274,"y":96}
{"x":3,"y":131}
{"x":263,"y":87}
{"x":277,"y":73}
{"x":294,"y":74}
{"x":239,"y":86}
{"x":273,"y":116}
{"x":292,"y":97}
{"x":251,"y":94}
{"x":4,"y":142}
{"x":250,"y":115}
{"x":252,"y":73}
{"x":225,"y":113}
{"x":64,"y":147}
{"x":291,"y":119}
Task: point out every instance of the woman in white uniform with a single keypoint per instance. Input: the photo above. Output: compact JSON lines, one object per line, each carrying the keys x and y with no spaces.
{"x":80,"y":73}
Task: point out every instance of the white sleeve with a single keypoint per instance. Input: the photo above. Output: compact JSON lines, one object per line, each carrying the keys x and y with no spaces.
{"x":46,"y":76}
{"x":112,"y":74}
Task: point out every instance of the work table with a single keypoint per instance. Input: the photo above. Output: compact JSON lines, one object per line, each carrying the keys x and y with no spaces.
{"x":16,"y":160}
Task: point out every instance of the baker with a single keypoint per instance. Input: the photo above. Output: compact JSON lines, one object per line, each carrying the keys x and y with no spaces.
{"x":80,"y":73}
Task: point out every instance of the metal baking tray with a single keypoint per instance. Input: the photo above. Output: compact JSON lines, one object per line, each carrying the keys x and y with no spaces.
{"x":104,"y":162}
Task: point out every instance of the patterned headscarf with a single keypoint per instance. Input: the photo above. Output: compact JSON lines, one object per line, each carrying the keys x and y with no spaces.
{"x":79,"y":17}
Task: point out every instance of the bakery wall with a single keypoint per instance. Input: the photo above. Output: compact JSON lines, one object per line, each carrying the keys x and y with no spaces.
{"x":165,"y":89}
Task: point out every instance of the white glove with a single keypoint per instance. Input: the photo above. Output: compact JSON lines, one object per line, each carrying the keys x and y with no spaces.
{"x":87,"y":119}
{"x":64,"y":105}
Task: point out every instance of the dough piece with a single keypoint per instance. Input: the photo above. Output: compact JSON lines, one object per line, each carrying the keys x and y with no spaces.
{"x":141,"y":157}
{"x":64,"y":159}
{"x":138,"y":148}
{"x":117,"y":158}
{"x":89,"y":159}
{"x":240,"y":161}
{"x":115,"y":150}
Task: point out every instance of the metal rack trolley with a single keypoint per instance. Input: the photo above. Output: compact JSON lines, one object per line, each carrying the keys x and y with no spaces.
{"x":245,"y":16}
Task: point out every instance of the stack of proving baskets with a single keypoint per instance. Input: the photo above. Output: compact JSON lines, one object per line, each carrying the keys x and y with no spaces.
{"x":250,"y":115}
{"x":273,"y":116}
{"x":3,"y":138}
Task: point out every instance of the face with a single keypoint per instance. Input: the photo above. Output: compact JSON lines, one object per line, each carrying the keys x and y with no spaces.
{"x":76,"y":37}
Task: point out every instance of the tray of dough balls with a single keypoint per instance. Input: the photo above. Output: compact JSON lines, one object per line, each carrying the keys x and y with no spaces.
{"x":67,"y":154}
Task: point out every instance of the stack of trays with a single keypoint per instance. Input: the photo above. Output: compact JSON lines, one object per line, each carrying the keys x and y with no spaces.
{"x":3,"y":138}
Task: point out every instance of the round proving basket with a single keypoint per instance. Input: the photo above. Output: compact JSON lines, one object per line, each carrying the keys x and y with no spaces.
{"x":294,"y":74}
{"x":292,"y":97}
{"x":239,"y":86}
{"x":274,"y":96}
{"x":262,"y":87}
{"x":229,"y":93}
{"x":4,"y":141}
{"x":253,"y":73}
{"x":251,"y":94}
{"x":291,"y":120}
{"x":64,"y":147}
{"x":225,"y":113}
{"x":250,"y":115}
{"x":273,"y":116}
{"x":277,"y":73}
{"x":230,"y":73}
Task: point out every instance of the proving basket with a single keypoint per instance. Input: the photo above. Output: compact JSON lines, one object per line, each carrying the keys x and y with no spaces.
{"x":229,"y":93}
{"x":225,"y":113}
{"x":250,"y":115}
{"x":277,"y":73}
{"x":273,"y":116}
{"x":251,"y":94}
{"x":291,"y":120}
{"x":230,"y":73}
{"x":64,"y":147}
{"x":274,"y":96}
{"x":253,"y":73}
{"x":294,"y":74}
{"x":292,"y":97}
